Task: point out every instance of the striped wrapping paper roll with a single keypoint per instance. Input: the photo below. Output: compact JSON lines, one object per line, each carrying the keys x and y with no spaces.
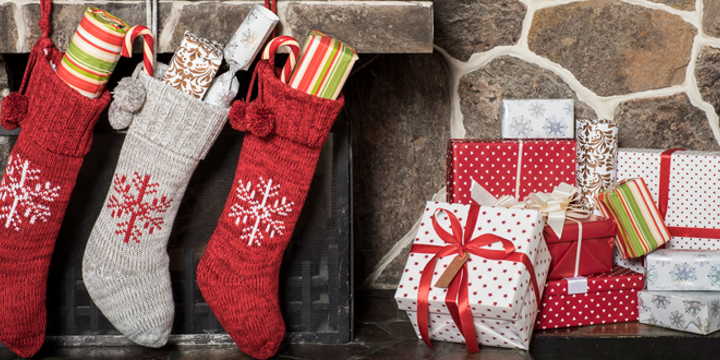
{"x":324,"y":66}
{"x":641,"y":229}
{"x":93,"y":52}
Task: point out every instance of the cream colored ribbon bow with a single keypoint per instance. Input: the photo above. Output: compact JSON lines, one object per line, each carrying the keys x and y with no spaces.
{"x":483,"y":197}
{"x":556,"y":207}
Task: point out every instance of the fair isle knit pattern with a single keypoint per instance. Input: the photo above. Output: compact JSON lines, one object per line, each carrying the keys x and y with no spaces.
{"x":57,"y":132}
{"x":239,"y":272}
{"x":125,"y":266}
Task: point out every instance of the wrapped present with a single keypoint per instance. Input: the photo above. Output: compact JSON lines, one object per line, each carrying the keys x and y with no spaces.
{"x":597,"y":146}
{"x":479,"y":271}
{"x":93,"y":52}
{"x":323,"y":67}
{"x":641,"y":228}
{"x":691,"y":311}
{"x":598,"y":299}
{"x":669,"y":269}
{"x":537,"y":119}
{"x":508,"y":167}
{"x":194,"y":65}
{"x":684,"y":187}
{"x":585,"y":247}
{"x":240,"y":52}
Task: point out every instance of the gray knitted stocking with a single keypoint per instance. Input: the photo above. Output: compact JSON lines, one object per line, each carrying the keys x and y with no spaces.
{"x":125,"y":267}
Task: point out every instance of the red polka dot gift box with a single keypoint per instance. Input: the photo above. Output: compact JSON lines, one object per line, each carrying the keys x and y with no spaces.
{"x":475,"y":272}
{"x":684,"y":185}
{"x":508,"y":167}
{"x":598,"y":299}
{"x":585,"y":247}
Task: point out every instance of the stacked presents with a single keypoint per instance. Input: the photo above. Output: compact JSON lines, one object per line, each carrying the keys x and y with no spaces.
{"x":518,"y":248}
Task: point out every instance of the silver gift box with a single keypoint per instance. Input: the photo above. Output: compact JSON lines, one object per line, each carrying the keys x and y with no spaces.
{"x":537,"y":119}
{"x":691,"y":311}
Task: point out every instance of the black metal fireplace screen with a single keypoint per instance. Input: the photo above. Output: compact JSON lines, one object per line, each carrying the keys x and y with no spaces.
{"x":315,"y":288}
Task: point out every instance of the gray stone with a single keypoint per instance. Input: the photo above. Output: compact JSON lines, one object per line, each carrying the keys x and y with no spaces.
{"x":711,"y":17}
{"x":212,"y":20}
{"x":663,"y":123}
{"x":391,"y":274}
{"x":66,"y":17}
{"x":465,"y":27}
{"x":686,"y":5}
{"x":707,"y":75}
{"x":368,"y":27}
{"x":399,"y":106}
{"x":8,"y":30}
{"x":613,"y":47}
{"x":482,"y":91}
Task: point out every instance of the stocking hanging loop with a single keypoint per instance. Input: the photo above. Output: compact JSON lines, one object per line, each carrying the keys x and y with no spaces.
{"x":45,"y":8}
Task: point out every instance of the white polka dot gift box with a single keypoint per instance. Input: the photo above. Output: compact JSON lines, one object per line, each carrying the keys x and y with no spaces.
{"x":684,"y":185}
{"x":598,"y":299}
{"x":537,"y":119}
{"x":475,"y":272}
{"x":669,"y":269}
{"x":691,"y":311}
{"x":508,"y":167}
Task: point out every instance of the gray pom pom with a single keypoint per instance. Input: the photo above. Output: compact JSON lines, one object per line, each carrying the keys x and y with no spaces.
{"x":129,"y":95}
{"x":119,"y":118}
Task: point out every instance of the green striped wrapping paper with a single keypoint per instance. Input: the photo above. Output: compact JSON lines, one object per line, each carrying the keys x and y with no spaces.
{"x":641,"y":229}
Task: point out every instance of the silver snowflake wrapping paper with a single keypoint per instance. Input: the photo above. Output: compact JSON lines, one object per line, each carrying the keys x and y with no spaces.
{"x":668,"y":269}
{"x":597,"y":152}
{"x":537,"y":119}
{"x":240,"y":52}
{"x":691,"y":311}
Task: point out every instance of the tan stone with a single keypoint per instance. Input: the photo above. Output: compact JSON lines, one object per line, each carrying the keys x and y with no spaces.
{"x":613,"y":47}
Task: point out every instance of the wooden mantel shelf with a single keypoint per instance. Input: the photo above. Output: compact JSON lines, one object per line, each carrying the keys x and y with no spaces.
{"x":369,"y":26}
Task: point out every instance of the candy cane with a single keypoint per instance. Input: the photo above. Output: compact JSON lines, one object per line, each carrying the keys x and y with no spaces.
{"x":273,"y":46}
{"x":147,"y":48}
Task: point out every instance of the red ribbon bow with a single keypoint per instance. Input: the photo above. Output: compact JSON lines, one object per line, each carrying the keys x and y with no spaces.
{"x":456,"y":299}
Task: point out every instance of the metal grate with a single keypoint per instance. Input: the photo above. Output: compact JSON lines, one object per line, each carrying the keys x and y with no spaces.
{"x":315,"y":286}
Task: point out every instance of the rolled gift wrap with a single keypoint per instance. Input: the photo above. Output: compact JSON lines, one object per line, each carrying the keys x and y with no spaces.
{"x":597,"y":148}
{"x":194,"y":65}
{"x":641,"y":229}
{"x":240,"y":52}
{"x":323,"y":67}
{"x":93,"y":52}
{"x":537,"y":119}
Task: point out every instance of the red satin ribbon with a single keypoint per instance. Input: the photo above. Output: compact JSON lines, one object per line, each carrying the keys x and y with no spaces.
{"x":457,"y":300}
{"x":663,"y":195}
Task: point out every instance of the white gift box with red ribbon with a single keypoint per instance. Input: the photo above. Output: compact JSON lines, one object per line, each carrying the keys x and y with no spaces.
{"x":492,"y":296}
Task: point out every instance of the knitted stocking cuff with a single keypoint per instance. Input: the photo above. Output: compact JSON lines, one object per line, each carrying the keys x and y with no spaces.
{"x":289,"y":113}
{"x":173,"y":119}
{"x":55,"y":116}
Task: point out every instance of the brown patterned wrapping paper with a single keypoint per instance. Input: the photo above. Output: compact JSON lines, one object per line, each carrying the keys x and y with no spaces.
{"x":194,"y":65}
{"x":597,"y":146}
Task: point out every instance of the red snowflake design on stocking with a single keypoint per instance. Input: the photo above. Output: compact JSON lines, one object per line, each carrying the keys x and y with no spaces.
{"x":133,"y":201}
{"x":24,"y":193}
{"x":254,"y":208}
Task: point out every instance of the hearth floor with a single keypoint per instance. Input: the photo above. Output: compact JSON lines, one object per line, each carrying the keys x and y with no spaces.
{"x":382,"y":332}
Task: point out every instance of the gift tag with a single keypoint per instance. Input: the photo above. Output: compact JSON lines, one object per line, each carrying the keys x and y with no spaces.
{"x":449,"y":274}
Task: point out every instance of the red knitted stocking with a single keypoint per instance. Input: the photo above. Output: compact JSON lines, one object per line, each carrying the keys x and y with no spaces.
{"x":57,"y":124}
{"x":238,"y":274}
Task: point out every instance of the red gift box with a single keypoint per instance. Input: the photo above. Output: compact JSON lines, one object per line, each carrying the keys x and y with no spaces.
{"x":508,"y":167}
{"x":607,"y":298}
{"x":596,"y":247}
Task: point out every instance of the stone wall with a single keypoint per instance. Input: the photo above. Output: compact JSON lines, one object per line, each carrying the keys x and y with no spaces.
{"x":653,"y":66}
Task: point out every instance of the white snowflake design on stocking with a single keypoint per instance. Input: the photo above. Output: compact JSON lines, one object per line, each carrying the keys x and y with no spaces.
{"x":133,"y":199}
{"x":22,"y":184}
{"x":257,"y":209}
